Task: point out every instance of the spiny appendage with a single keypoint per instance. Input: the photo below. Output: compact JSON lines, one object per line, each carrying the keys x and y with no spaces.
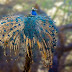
{"x":33,"y":31}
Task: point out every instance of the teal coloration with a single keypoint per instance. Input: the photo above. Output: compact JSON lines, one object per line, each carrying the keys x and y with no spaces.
{"x":29,"y":29}
{"x":13,"y":33}
{"x":16,"y":19}
{"x":11,"y":38}
{"x":3,"y":22}
{"x":10,"y":20}
{"x":15,"y":44}
{"x":48,"y":48}
{"x":31,"y":26}
{"x":4,"y":30}
{"x":34,"y":33}
{"x":19,"y":18}
{"x":21,"y":37}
